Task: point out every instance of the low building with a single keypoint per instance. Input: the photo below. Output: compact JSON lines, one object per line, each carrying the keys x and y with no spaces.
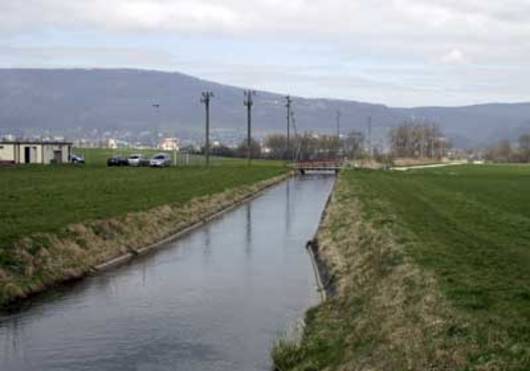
{"x":169,"y":144}
{"x":111,"y":144}
{"x":33,"y":152}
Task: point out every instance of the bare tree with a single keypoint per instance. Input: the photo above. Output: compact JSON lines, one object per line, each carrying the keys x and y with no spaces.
{"x":524,"y":147}
{"x":307,"y":146}
{"x":418,"y":139}
{"x":500,"y":152}
{"x":354,"y":145}
{"x":255,"y":149}
{"x":277,"y":143}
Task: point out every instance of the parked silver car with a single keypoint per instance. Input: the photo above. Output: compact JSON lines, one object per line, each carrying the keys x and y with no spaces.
{"x":137,"y":160}
{"x":160,"y":160}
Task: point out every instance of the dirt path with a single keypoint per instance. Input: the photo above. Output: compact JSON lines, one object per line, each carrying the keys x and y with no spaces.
{"x":406,"y":168}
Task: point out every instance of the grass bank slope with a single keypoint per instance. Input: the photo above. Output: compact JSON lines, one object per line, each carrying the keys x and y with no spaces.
{"x":46,"y":198}
{"x":56,"y":223}
{"x":431,"y":270}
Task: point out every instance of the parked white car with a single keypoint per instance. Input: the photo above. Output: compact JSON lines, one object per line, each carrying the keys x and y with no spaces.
{"x":160,"y":160}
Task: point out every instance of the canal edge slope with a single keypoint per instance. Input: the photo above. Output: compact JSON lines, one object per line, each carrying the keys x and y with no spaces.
{"x":88,"y":248}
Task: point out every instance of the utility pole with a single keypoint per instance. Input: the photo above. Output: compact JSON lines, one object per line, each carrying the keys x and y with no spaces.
{"x":288,"y":105}
{"x":206,"y":96}
{"x":249,"y":102}
{"x":370,"y":152}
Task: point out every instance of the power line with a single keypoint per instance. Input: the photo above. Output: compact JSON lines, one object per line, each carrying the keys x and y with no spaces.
{"x":206,"y":96}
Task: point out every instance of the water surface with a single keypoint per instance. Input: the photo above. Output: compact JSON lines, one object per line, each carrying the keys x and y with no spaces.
{"x":213,"y":300}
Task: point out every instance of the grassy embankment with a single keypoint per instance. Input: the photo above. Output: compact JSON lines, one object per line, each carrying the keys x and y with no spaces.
{"x":56,"y":222}
{"x":431,"y":270}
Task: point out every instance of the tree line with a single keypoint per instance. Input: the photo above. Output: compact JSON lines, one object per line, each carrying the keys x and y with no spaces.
{"x":299,"y":147}
{"x":413,"y":138}
{"x":418,"y":139}
{"x":505,"y":151}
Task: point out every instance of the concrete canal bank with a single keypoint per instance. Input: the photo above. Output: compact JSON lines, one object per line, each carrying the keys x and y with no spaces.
{"x":45,"y":260}
{"x":217,"y":298}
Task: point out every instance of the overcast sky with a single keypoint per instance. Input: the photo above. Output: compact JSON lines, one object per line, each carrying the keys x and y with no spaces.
{"x":397,"y":52}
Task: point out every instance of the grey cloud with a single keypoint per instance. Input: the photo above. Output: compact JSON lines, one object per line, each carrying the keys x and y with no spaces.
{"x":82,"y":56}
{"x":440,"y":46}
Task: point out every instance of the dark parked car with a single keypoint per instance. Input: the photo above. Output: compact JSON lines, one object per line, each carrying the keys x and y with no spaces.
{"x":76,"y":159}
{"x":117,"y":161}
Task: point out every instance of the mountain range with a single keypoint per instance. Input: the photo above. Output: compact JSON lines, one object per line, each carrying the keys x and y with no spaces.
{"x":82,"y":100}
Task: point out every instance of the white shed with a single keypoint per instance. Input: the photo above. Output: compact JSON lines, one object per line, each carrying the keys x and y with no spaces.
{"x":21,"y":152}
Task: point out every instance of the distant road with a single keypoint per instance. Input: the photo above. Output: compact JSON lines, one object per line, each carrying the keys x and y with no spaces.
{"x":405,"y":168}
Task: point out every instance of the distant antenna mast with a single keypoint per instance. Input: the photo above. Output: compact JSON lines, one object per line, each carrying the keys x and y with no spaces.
{"x":206,"y":96}
{"x":249,"y":102}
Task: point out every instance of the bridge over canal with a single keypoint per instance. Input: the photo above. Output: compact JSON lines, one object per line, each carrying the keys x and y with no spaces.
{"x":319,"y":166}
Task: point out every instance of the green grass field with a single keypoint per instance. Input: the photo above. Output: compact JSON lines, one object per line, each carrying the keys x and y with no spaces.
{"x":473,"y":229}
{"x":47,"y":198}
{"x":98,"y":157}
{"x":468,"y":226}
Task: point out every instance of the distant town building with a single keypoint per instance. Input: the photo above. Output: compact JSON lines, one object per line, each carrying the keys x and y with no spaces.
{"x":86,"y":143}
{"x":35,"y":152}
{"x":169,"y":144}
{"x":111,"y":143}
{"x":9,"y":138}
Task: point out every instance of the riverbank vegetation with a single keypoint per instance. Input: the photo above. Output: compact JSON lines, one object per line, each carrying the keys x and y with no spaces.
{"x":430,"y":269}
{"x":56,"y":222}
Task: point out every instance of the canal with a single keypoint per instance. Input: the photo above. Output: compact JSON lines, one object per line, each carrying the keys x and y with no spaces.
{"x":216,"y":299}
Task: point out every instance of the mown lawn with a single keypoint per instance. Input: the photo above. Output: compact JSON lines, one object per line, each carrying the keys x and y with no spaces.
{"x":47,"y":198}
{"x":472,"y":228}
{"x":468,"y":226}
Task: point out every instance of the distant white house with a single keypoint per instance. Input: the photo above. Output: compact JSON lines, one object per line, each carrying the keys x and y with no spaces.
{"x":169,"y":144}
{"x":111,"y":143}
{"x":33,"y":152}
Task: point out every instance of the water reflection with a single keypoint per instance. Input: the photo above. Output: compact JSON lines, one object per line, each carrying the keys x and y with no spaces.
{"x":214,"y":300}
{"x":288,"y":208}
{"x":207,"y":247}
{"x":248,"y":229}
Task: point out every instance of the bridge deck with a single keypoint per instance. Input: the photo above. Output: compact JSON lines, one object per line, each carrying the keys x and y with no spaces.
{"x":304,"y":166}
